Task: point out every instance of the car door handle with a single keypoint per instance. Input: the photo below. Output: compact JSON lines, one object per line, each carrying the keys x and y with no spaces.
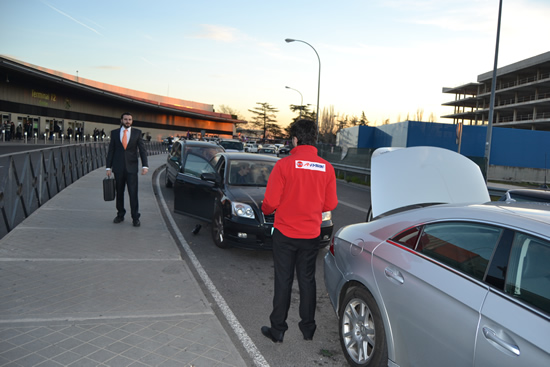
{"x":395,"y":275}
{"x":492,"y":336}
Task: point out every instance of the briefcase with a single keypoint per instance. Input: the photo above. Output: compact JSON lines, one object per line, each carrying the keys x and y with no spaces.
{"x":109,"y":189}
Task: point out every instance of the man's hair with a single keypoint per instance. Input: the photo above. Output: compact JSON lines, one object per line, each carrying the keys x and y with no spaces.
{"x":305,"y":131}
{"x":124,"y":114}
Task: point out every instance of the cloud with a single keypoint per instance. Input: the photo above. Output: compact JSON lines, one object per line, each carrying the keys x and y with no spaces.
{"x":219,"y":33}
{"x":108,"y":67}
{"x":71,"y":18}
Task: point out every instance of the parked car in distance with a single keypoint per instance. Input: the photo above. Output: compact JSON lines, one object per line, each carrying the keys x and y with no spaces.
{"x":285,"y":149}
{"x":441,"y":276}
{"x":232,"y":145}
{"x":251,"y":148}
{"x":178,"y":155}
{"x":268,"y":149}
{"x":228,"y":191}
{"x":526,"y":195}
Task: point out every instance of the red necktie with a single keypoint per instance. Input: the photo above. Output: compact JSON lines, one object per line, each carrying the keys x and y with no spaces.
{"x":125,"y":138}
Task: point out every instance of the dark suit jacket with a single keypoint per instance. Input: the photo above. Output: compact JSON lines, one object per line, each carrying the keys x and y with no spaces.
{"x":120,"y":159}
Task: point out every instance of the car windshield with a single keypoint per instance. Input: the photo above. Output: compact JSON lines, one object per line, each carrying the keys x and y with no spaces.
{"x":206,"y":152}
{"x":250,"y":173}
{"x":236,"y":145}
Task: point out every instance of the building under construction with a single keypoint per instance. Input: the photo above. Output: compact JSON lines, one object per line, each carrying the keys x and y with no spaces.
{"x":522,"y":96}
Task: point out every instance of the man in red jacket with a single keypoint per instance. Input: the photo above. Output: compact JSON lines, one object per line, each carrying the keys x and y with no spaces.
{"x":300,"y":188}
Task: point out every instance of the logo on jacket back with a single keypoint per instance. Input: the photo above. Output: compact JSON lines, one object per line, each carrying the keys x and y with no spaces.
{"x":313,"y":166}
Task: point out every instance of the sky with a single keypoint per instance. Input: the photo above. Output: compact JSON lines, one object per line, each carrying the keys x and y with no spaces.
{"x":386,"y":58}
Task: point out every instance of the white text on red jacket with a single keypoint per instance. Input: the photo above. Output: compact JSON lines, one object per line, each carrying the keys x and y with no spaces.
{"x":313,"y":166}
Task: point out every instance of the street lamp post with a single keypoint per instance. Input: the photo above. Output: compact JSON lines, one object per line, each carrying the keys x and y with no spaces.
{"x":301,"y":101}
{"x":492,"y":100}
{"x":288,"y":40}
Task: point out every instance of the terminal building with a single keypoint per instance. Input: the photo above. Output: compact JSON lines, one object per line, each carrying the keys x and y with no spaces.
{"x":522,"y":96}
{"x":46,"y":102}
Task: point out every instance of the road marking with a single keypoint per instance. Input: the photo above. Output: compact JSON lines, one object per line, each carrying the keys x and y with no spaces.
{"x":353,"y":206}
{"x":248,"y":344}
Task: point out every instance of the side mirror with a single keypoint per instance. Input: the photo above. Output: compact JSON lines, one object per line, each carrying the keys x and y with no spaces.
{"x":212,"y":177}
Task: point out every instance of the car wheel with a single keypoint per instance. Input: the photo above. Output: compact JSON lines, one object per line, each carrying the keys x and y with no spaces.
{"x":362,"y":335}
{"x":167,"y":181}
{"x":217,"y":229}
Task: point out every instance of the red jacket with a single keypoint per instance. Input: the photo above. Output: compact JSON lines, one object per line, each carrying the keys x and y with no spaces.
{"x":301,"y":187}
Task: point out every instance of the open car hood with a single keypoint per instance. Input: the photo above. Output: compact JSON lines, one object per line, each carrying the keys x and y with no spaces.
{"x":402,"y":177}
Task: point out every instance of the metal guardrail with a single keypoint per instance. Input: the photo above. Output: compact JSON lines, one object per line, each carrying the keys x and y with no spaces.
{"x":343,"y":169}
{"x":31,"y":178}
{"x":346,"y":169}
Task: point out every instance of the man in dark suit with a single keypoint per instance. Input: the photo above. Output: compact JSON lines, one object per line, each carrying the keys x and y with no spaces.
{"x":122,"y":160}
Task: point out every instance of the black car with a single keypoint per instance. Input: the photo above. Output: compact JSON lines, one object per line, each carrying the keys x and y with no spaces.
{"x":284,"y":150}
{"x":178,"y":155}
{"x":228,"y":191}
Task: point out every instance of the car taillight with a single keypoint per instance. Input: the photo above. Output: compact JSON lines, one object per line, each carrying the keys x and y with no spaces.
{"x":331,"y":247}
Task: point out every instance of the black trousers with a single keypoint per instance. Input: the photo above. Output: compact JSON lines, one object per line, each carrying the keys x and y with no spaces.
{"x":289,"y":255}
{"x":130,"y":180}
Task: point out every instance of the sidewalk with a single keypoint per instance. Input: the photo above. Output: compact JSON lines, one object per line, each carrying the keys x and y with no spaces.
{"x":78,"y":290}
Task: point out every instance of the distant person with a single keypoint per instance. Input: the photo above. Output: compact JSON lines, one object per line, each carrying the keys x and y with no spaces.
{"x":7,"y":128}
{"x":243,"y":174}
{"x":122,"y":160}
{"x":19,"y":132}
{"x":300,"y":188}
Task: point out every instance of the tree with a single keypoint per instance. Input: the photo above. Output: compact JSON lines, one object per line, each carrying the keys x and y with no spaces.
{"x":230,"y":111}
{"x":305,"y":112}
{"x":264,"y":117}
{"x":326,"y":125}
{"x":364,"y":121}
{"x":419,"y":114}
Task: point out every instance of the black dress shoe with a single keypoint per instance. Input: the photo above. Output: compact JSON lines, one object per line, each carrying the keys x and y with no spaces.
{"x":267,"y":333}
{"x":118,"y":219}
{"x":136,"y":223}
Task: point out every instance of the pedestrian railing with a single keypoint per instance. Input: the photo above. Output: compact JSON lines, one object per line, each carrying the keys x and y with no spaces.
{"x":30,"y":179}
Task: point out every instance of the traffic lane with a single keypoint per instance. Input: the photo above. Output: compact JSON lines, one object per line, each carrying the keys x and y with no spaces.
{"x":245,"y":280}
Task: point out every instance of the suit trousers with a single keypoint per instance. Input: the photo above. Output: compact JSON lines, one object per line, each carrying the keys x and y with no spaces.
{"x":289,"y":255}
{"x":125,"y":179}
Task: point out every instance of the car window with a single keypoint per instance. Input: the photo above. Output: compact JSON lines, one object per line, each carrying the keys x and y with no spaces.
{"x":206,"y":152}
{"x":176,"y":150}
{"x":408,"y":238}
{"x":463,"y":246}
{"x":250,"y":173}
{"x":232,"y":145}
{"x":196,"y":165}
{"x":528,"y":276}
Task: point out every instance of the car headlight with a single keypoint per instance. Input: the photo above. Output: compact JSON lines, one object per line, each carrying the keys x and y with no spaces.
{"x":327,"y":216}
{"x":242,"y":210}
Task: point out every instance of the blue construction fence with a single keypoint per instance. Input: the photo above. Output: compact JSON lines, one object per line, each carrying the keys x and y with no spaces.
{"x":509,"y":147}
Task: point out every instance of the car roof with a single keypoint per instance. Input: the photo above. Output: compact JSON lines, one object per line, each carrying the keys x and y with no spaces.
{"x":404,"y":177}
{"x":197,"y":143}
{"x":248,"y":156}
{"x":231,"y":140}
{"x":532,"y":218}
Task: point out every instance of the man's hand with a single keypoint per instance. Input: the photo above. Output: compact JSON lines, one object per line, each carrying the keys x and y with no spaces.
{"x":144,"y":170}
{"x":109,"y":173}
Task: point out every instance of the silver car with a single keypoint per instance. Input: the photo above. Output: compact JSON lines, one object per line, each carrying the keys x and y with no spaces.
{"x":441,"y":276}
